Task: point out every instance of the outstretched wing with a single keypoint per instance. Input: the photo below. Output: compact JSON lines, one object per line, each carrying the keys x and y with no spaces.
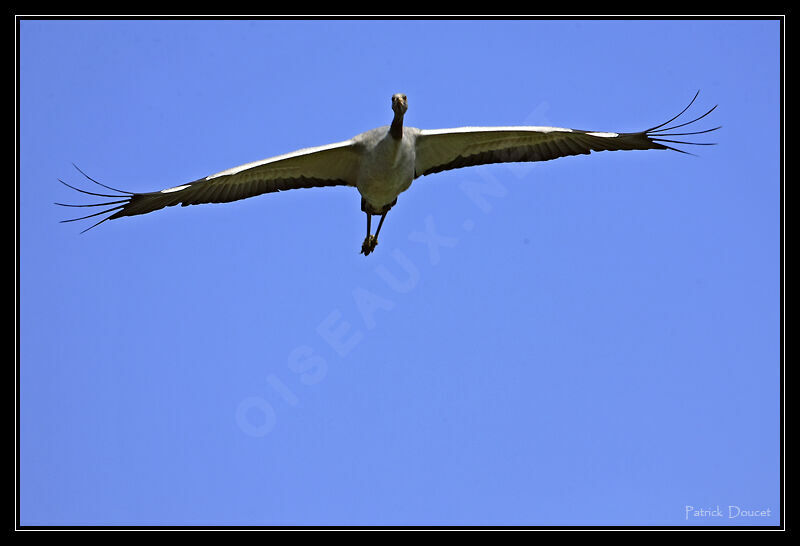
{"x":330,"y":165}
{"x":443,"y":149}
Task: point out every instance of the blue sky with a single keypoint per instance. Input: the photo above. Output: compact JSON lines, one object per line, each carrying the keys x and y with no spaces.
{"x":593,"y":341}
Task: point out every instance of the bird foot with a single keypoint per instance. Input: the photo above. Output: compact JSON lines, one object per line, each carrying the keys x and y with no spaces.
{"x":369,"y":245}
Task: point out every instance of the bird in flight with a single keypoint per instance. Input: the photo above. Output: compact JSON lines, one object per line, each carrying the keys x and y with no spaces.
{"x":383,"y":162}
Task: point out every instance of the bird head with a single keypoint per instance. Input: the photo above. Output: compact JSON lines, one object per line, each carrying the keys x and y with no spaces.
{"x":399,"y":103}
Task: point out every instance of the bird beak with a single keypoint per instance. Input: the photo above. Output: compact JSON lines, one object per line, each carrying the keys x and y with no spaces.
{"x":399,"y":102}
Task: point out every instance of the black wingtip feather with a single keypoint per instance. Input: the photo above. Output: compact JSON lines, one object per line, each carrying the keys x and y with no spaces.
{"x":91,"y":215}
{"x":100,"y":183}
{"x":92,"y":204}
{"x":676,"y":117}
{"x":656,"y":134}
{"x":121,"y":201}
{"x":684,"y":124}
{"x":88,"y":192}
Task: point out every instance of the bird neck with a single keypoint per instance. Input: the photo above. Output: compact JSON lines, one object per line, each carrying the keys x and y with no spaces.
{"x":396,"y":129}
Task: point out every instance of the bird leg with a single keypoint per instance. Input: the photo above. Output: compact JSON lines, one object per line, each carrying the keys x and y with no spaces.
{"x":370,"y":241}
{"x":383,"y":216}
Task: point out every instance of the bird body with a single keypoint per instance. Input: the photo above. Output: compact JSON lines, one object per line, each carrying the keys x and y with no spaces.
{"x":382,"y":163}
{"x":386,"y":165}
